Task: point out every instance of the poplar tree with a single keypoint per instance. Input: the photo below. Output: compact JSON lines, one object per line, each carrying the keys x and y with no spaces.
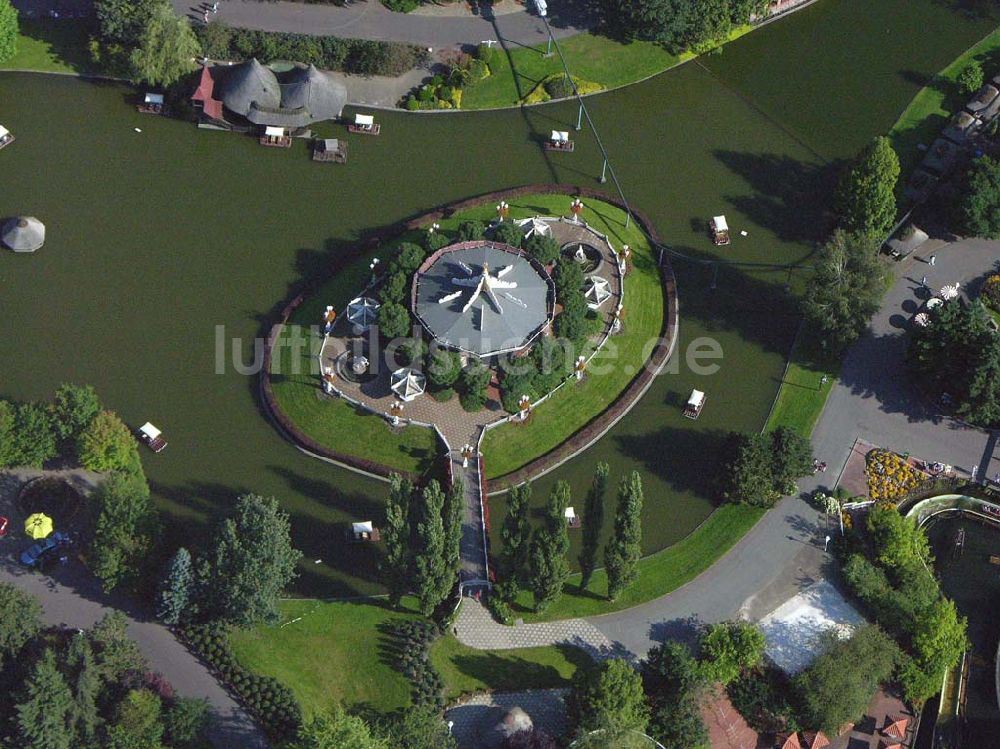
{"x":516,"y":534}
{"x":454,"y":512}
{"x":622,"y":554}
{"x":432,"y":578}
{"x":396,"y":534}
{"x":548,"y":566}
{"x":593,"y":520}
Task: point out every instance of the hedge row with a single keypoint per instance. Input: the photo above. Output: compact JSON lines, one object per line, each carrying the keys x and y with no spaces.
{"x":411,"y":646}
{"x":357,"y":56}
{"x":269,"y":701}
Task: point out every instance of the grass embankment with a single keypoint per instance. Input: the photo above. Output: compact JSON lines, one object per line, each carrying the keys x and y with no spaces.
{"x":51,"y":46}
{"x":334,"y":652}
{"x":590,"y":57}
{"x":508,"y":447}
{"x":932,"y":107}
{"x":803,"y":393}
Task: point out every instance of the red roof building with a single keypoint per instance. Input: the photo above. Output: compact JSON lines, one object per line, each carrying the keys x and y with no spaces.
{"x":203,"y":95}
{"x":815,"y":740}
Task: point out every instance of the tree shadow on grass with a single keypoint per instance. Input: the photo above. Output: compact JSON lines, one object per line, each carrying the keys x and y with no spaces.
{"x":509,"y":673}
{"x":693,"y":461}
{"x":66,"y":40}
{"x":789,"y":195}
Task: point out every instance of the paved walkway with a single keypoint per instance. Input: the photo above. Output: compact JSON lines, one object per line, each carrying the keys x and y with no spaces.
{"x":369,"y":19}
{"x":472,"y":546}
{"x":474,"y":720}
{"x":71,"y":597}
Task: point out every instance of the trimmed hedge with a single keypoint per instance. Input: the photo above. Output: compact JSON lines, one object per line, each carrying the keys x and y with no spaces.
{"x":411,"y":651}
{"x":357,"y":56}
{"x":270,"y":702}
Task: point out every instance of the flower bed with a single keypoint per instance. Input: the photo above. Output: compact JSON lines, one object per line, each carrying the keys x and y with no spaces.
{"x":889,"y":475}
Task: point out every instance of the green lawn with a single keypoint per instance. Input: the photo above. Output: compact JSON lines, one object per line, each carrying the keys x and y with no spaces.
{"x":467,"y":670}
{"x":802,"y":395}
{"x":511,"y":446}
{"x":51,"y":46}
{"x":590,"y":57}
{"x":333,"y":653}
{"x":659,"y":574}
{"x":935,"y":103}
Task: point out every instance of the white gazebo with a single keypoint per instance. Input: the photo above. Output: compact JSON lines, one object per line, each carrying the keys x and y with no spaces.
{"x":596,"y":290}
{"x":533,"y":226}
{"x":408,"y":383}
{"x":362,"y":312}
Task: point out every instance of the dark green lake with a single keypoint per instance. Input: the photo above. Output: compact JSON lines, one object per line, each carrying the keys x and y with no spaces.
{"x":156,"y":238}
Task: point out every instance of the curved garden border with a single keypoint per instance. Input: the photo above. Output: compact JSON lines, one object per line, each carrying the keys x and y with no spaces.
{"x":577,"y":442}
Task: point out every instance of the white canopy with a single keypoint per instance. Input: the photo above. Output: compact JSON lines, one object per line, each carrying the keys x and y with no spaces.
{"x":359,"y":528}
{"x":596,"y":290}
{"x":560,"y":136}
{"x":934,"y":302}
{"x":274,"y":132}
{"x":696,"y":399}
{"x":365,"y":120}
{"x":408,"y":383}
{"x":3,"y":132}
{"x":149,"y":431}
{"x":719,"y":223}
{"x":570,"y":513}
{"x":533,"y":226}
{"x":362,"y":311}
{"x":153,"y":99}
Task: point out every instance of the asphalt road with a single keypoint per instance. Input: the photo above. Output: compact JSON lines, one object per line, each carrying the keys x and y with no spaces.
{"x":873,"y":399}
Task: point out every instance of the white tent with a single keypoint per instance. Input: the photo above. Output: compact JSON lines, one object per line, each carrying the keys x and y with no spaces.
{"x":362,"y":311}
{"x":697,"y":399}
{"x":570,"y":513}
{"x":149,"y":431}
{"x":364,"y":120}
{"x":153,"y":99}
{"x":719,"y":224}
{"x":596,"y":290}
{"x":5,"y":137}
{"x":533,"y":226}
{"x":408,"y":383}
{"x":359,"y":528}
{"x":274,"y":132}
{"x":560,"y":136}
{"x":934,"y":302}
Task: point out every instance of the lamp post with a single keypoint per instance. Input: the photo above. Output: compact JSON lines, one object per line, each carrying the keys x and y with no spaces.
{"x":328,"y":319}
{"x":624,"y":253}
{"x":372,"y":266}
{"x":433,"y":228}
{"x":523,"y":406}
{"x":503,"y":210}
{"x":467,"y":452}
{"x":579,"y":367}
{"x":576,"y":207}
{"x":395,"y":411}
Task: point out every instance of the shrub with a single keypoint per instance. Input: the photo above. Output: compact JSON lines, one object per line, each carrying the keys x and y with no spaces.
{"x":970,"y":79}
{"x":435,"y":240}
{"x":508,"y":233}
{"x":393,"y":290}
{"x":544,"y":249}
{"x":471,"y":230}
{"x":559,"y":88}
{"x":500,"y":609}
{"x":991,"y":292}
{"x":408,"y":258}
{"x":393,"y":320}
{"x":443,"y":395}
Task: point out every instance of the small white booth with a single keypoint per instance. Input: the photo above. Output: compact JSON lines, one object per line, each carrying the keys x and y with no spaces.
{"x":720,"y":230}
{"x":596,"y":291}
{"x":364,"y":124}
{"x":694,"y":404}
{"x":407,"y":384}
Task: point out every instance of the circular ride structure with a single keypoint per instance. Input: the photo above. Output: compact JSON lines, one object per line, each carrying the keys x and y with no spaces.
{"x":483,"y":298}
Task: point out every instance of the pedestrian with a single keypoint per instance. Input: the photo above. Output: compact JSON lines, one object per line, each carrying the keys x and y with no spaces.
{"x":923,"y":282}
{"x":932,"y":260}
{"x":206,"y":18}
{"x":215,"y":9}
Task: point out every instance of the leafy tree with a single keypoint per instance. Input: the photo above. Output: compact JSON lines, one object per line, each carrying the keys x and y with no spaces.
{"x":791,"y":458}
{"x":571,"y":323}
{"x":474,"y":381}
{"x":845,"y":291}
{"x":547,"y":563}
{"x":420,"y":728}
{"x":106,"y":444}
{"x":20,"y":620}
{"x":408,"y":258}
{"x":946,"y":353}
{"x":608,"y":697}
{"x":85,"y":684}
{"x":747,"y":474}
{"x":553,"y":362}
{"x":435,"y":240}
{"x":970,"y":79}
{"x":393,"y":291}
{"x":34,"y":439}
{"x":664,"y":21}
{"x":8,"y":435}
{"x":396,"y":533}
{"x":543,"y":248}
{"x":516,"y":533}
{"x":443,"y":368}
{"x":337,"y":730}
{"x":980,"y":206}
{"x":867,"y":199}
{"x":121,"y":22}
{"x":677,"y":724}
{"x":470,"y":230}
{"x":900,"y":543}
{"x":509,"y":233}
{"x":593,"y":521}
{"x":251,"y":562}
{"x":185,"y":722}
{"x":115,"y":653}
{"x":137,"y":723}
{"x":431,"y":576}
{"x":938,"y":643}
{"x":166,"y":50}
{"x":670,"y":670}
{"x":43,"y":717}
{"x":624,"y":549}
{"x":75,"y":406}
{"x":121,"y":535}
{"x":567,"y":277}
{"x":981,"y":405}
{"x":831,"y":694}
{"x":8,"y":30}
{"x":174,"y":599}
{"x":729,"y":648}
{"x":393,"y":320}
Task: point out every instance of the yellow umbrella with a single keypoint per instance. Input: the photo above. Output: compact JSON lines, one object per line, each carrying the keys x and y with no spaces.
{"x":38,"y":525}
